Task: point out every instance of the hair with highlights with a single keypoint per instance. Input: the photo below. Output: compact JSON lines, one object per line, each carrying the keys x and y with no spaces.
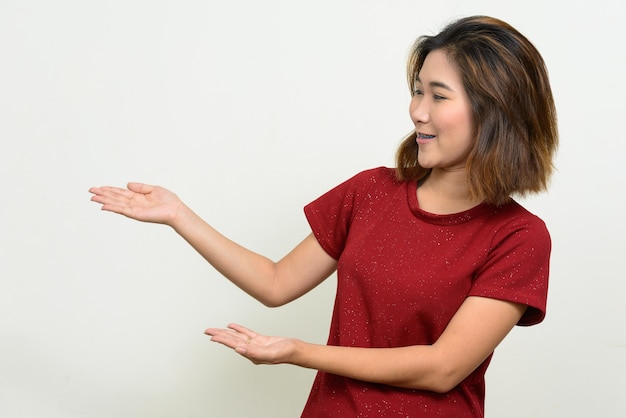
{"x":515,"y":125}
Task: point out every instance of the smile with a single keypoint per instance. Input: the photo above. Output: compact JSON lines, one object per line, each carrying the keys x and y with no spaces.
{"x":425,"y":136}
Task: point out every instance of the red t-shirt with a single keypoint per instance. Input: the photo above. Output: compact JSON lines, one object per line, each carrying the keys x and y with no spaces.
{"x":403,"y":273}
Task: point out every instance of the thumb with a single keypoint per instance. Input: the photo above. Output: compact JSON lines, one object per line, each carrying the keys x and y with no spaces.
{"x":140,"y":188}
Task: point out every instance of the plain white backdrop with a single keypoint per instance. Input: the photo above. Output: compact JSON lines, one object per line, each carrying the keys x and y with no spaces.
{"x":248,"y":110}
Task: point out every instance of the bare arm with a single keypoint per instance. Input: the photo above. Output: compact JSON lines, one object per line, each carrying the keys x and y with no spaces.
{"x":474,"y":332}
{"x":272,"y":283}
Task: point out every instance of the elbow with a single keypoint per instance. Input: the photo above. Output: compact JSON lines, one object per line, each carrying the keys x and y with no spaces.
{"x":273,"y":299}
{"x":272,"y":302}
{"x":448,"y":371}
{"x":446,"y":376}
{"x":444,"y":384}
{"x":439,"y":383}
{"x":442,"y":377}
{"x":274,"y":295}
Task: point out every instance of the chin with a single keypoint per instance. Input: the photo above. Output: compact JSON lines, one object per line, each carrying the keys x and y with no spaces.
{"x":426,"y":164}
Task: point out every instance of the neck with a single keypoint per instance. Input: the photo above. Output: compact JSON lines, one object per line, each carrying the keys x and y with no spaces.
{"x":445,"y":192}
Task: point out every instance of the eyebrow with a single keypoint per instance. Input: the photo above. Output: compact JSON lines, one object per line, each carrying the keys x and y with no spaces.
{"x":436,"y":84}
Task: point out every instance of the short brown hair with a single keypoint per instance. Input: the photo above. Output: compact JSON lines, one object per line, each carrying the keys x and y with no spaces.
{"x":506,"y":80}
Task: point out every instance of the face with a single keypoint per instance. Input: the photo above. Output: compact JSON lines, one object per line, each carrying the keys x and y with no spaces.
{"x":441,"y":112}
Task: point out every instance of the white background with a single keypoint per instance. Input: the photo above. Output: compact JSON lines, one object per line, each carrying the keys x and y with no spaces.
{"x":248,"y":110}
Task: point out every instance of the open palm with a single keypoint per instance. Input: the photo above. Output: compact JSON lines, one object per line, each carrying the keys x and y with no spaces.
{"x":139,"y":201}
{"x":258,"y":348}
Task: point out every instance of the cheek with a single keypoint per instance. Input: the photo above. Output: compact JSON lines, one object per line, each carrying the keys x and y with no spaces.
{"x":462,"y":123}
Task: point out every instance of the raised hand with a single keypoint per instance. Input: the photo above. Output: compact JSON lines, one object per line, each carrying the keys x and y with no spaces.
{"x":259,"y":349}
{"x":139,"y":201}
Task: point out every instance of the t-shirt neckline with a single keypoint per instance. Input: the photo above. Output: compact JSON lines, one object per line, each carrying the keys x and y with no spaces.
{"x":448,"y":219}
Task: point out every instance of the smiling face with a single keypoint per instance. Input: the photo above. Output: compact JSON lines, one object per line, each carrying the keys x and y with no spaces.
{"x":442,"y":114}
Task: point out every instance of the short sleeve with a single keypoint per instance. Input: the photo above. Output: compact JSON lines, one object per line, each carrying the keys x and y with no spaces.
{"x":331,"y":215}
{"x":517,"y":267}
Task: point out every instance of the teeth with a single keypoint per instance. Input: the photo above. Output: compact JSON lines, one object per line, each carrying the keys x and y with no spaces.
{"x":426,"y":136}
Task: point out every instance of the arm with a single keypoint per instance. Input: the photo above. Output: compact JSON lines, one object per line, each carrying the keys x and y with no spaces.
{"x":272,"y":283}
{"x":477,"y":328}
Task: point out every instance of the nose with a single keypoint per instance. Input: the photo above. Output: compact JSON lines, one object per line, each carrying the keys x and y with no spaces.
{"x":419,"y":110}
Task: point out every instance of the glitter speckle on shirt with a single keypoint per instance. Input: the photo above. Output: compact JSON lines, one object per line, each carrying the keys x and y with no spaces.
{"x":402,"y":275}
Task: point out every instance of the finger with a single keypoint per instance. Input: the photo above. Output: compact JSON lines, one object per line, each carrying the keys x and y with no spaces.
{"x":245,"y":334}
{"x":109,"y":192}
{"x":227,"y":337}
{"x":243,"y":330}
{"x":99,"y":191}
{"x":107,"y":199}
{"x":140,"y":187}
{"x":111,"y":200}
{"x":235,"y":336}
{"x":213,"y":331}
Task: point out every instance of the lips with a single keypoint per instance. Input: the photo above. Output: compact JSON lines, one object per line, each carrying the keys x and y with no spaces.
{"x":423,"y":138}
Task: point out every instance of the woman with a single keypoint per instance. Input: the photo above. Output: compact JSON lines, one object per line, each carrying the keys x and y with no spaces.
{"x":435,"y":261}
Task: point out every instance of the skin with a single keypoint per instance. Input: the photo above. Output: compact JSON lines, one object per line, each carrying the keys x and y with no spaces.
{"x":441,"y":108}
{"x":476,"y":329}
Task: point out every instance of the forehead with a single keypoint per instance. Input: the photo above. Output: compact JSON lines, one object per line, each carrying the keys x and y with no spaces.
{"x":438,"y":67}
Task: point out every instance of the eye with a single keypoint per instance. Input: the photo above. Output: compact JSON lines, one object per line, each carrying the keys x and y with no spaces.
{"x":417,"y":92}
{"x":439,"y":97}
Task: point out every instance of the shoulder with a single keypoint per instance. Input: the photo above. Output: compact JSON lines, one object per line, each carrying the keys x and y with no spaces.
{"x":374,"y":184}
{"x":514,"y":223}
{"x":377,"y":176}
{"x":514,"y":215}
{"x":360,"y":190}
{"x":517,"y":263}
